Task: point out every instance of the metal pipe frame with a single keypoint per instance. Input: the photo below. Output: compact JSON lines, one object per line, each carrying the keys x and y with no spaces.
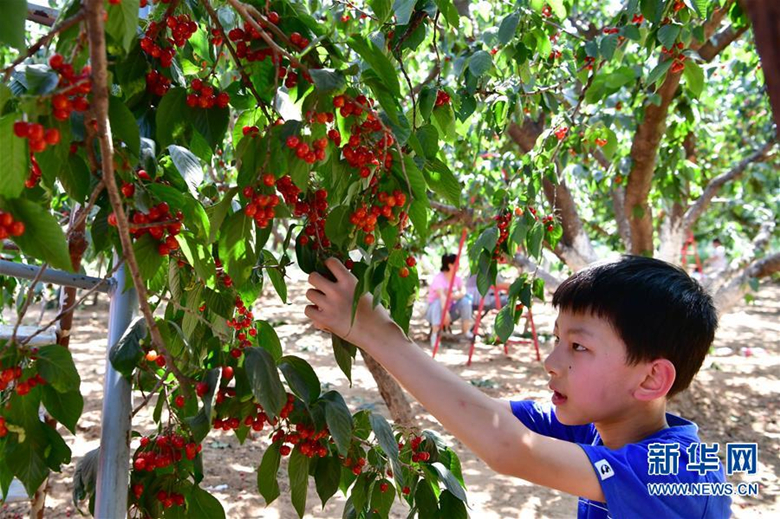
{"x":114,"y":458}
{"x":58,"y":277}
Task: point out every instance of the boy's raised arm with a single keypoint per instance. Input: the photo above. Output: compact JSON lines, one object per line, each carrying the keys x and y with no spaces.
{"x":487,"y":426}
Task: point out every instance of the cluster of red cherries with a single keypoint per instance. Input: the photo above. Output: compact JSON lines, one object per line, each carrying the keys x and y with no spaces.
{"x":159,"y":223}
{"x":12,"y":376}
{"x":243,"y":325}
{"x":674,"y":53}
{"x":10,"y":227}
{"x":204,"y":96}
{"x":260,"y":206}
{"x":315,"y":209}
{"x":75,"y":88}
{"x":442,"y":98}
{"x":161,"y":452}
{"x":181,"y":29}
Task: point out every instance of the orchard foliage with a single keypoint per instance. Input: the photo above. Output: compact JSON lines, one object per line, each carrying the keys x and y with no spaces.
{"x":345,"y":128}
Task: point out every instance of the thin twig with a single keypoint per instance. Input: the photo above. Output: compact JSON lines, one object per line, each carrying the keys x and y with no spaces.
{"x":97,"y":51}
{"x":249,"y":13}
{"x":28,"y":299}
{"x":65,"y":25}
{"x":151,"y":393}
{"x":71,"y":307}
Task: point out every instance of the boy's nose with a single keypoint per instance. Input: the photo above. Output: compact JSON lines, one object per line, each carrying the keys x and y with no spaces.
{"x":550,"y":363}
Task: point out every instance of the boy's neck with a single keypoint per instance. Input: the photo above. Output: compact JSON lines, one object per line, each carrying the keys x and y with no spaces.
{"x":633,"y":426}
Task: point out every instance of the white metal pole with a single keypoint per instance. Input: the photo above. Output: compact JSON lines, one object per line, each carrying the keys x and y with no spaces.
{"x":113,"y":463}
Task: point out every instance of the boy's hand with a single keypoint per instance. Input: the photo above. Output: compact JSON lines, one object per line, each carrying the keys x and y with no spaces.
{"x":332,"y":308}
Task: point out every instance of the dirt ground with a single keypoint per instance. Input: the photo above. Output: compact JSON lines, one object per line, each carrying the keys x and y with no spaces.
{"x":734,"y":399}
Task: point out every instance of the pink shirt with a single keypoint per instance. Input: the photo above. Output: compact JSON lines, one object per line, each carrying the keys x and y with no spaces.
{"x":440,"y":282}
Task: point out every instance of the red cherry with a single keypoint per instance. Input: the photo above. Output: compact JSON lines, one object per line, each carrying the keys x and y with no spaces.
{"x":403,"y":272}
{"x":179,"y":401}
{"x":227,"y":372}
{"x":201,"y":389}
{"x":21,"y":129}
{"x":128,"y":190}
{"x":56,"y":61}
{"x":273,"y":17}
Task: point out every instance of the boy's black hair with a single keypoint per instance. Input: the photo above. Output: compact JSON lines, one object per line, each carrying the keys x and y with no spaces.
{"x":446,"y":261}
{"x":656,"y":308}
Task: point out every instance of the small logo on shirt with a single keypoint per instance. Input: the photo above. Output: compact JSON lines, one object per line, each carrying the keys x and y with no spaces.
{"x":604,"y":469}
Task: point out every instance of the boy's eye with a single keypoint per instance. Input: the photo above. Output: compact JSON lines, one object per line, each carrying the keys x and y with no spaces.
{"x":578,"y":347}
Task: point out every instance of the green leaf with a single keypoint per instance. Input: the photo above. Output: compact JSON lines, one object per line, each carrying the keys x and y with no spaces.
{"x":267,"y":484}
{"x":452,"y":507}
{"x":608,"y":46}
{"x":149,"y":259}
{"x":202,"y":505}
{"x":558,"y":8}
{"x":505,"y":323}
{"x":534,"y":240}
{"x":168,"y":119}
{"x":268,"y":339}
{"x":450,"y":13}
{"x":403,"y":11}
{"x":480,"y":62}
{"x":658,"y":72}
{"x":425,"y":500}
{"x":300,"y":377}
{"x":218,"y":212}
{"x":327,"y":475}
{"x":127,"y":352}
{"x":668,"y":34}
{"x":381,"y":502}
{"x":327,"y":80}
{"x":123,"y":125}
{"x":64,"y":407}
{"x":298,"y":469}
{"x":339,"y":420}
{"x":449,"y":480}
{"x":12,"y":24}
{"x":694,"y":77}
{"x":122,"y":22}
{"x":443,"y":182}
{"x":14,"y":157}
{"x":211,"y":123}
{"x":55,"y":364}
{"x":264,"y":380}
{"x":382,"y":10}
{"x":188,"y":166}
{"x":344,"y":352}
{"x":27,"y":463}
{"x":235,"y":247}
{"x":428,"y":137}
{"x":378,"y":61}
{"x":508,"y":27}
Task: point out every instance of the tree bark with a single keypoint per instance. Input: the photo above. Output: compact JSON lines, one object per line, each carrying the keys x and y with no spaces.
{"x":732,"y":292}
{"x":765,"y":16}
{"x":644,"y":151}
{"x":575,"y":248}
{"x":392,"y":394}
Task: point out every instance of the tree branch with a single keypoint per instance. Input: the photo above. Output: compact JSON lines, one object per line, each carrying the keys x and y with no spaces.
{"x":97,"y":51}
{"x":644,"y":151}
{"x":695,"y":211}
{"x":525,"y":263}
{"x":720,"y":41}
{"x":65,"y":25}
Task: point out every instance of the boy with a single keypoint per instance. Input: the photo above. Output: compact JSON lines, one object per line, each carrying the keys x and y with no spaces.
{"x":629,"y":335}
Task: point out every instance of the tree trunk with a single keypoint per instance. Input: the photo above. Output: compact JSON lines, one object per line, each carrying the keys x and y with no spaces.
{"x":671,"y":235}
{"x":732,"y":292}
{"x":391,"y":392}
{"x":765,"y":16}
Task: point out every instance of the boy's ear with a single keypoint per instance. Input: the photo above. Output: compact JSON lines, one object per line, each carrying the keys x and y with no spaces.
{"x":659,"y":377}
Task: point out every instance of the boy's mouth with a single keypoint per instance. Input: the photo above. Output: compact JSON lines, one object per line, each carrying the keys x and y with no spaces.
{"x":558,"y":398}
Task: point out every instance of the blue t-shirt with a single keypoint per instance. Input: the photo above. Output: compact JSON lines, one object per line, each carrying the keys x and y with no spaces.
{"x":627,"y":493}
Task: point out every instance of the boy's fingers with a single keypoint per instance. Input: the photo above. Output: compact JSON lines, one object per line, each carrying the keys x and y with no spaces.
{"x":338,"y":269}
{"x":316,"y":297}
{"x":319,"y":281}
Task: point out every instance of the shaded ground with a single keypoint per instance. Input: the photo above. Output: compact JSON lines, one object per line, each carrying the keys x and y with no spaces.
{"x":735,"y":399}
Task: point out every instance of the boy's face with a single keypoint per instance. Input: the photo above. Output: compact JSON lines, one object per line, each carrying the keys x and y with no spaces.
{"x":588,"y":371}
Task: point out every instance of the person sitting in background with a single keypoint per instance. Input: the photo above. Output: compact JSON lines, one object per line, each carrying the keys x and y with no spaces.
{"x":717,"y":263}
{"x":460,"y":301}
